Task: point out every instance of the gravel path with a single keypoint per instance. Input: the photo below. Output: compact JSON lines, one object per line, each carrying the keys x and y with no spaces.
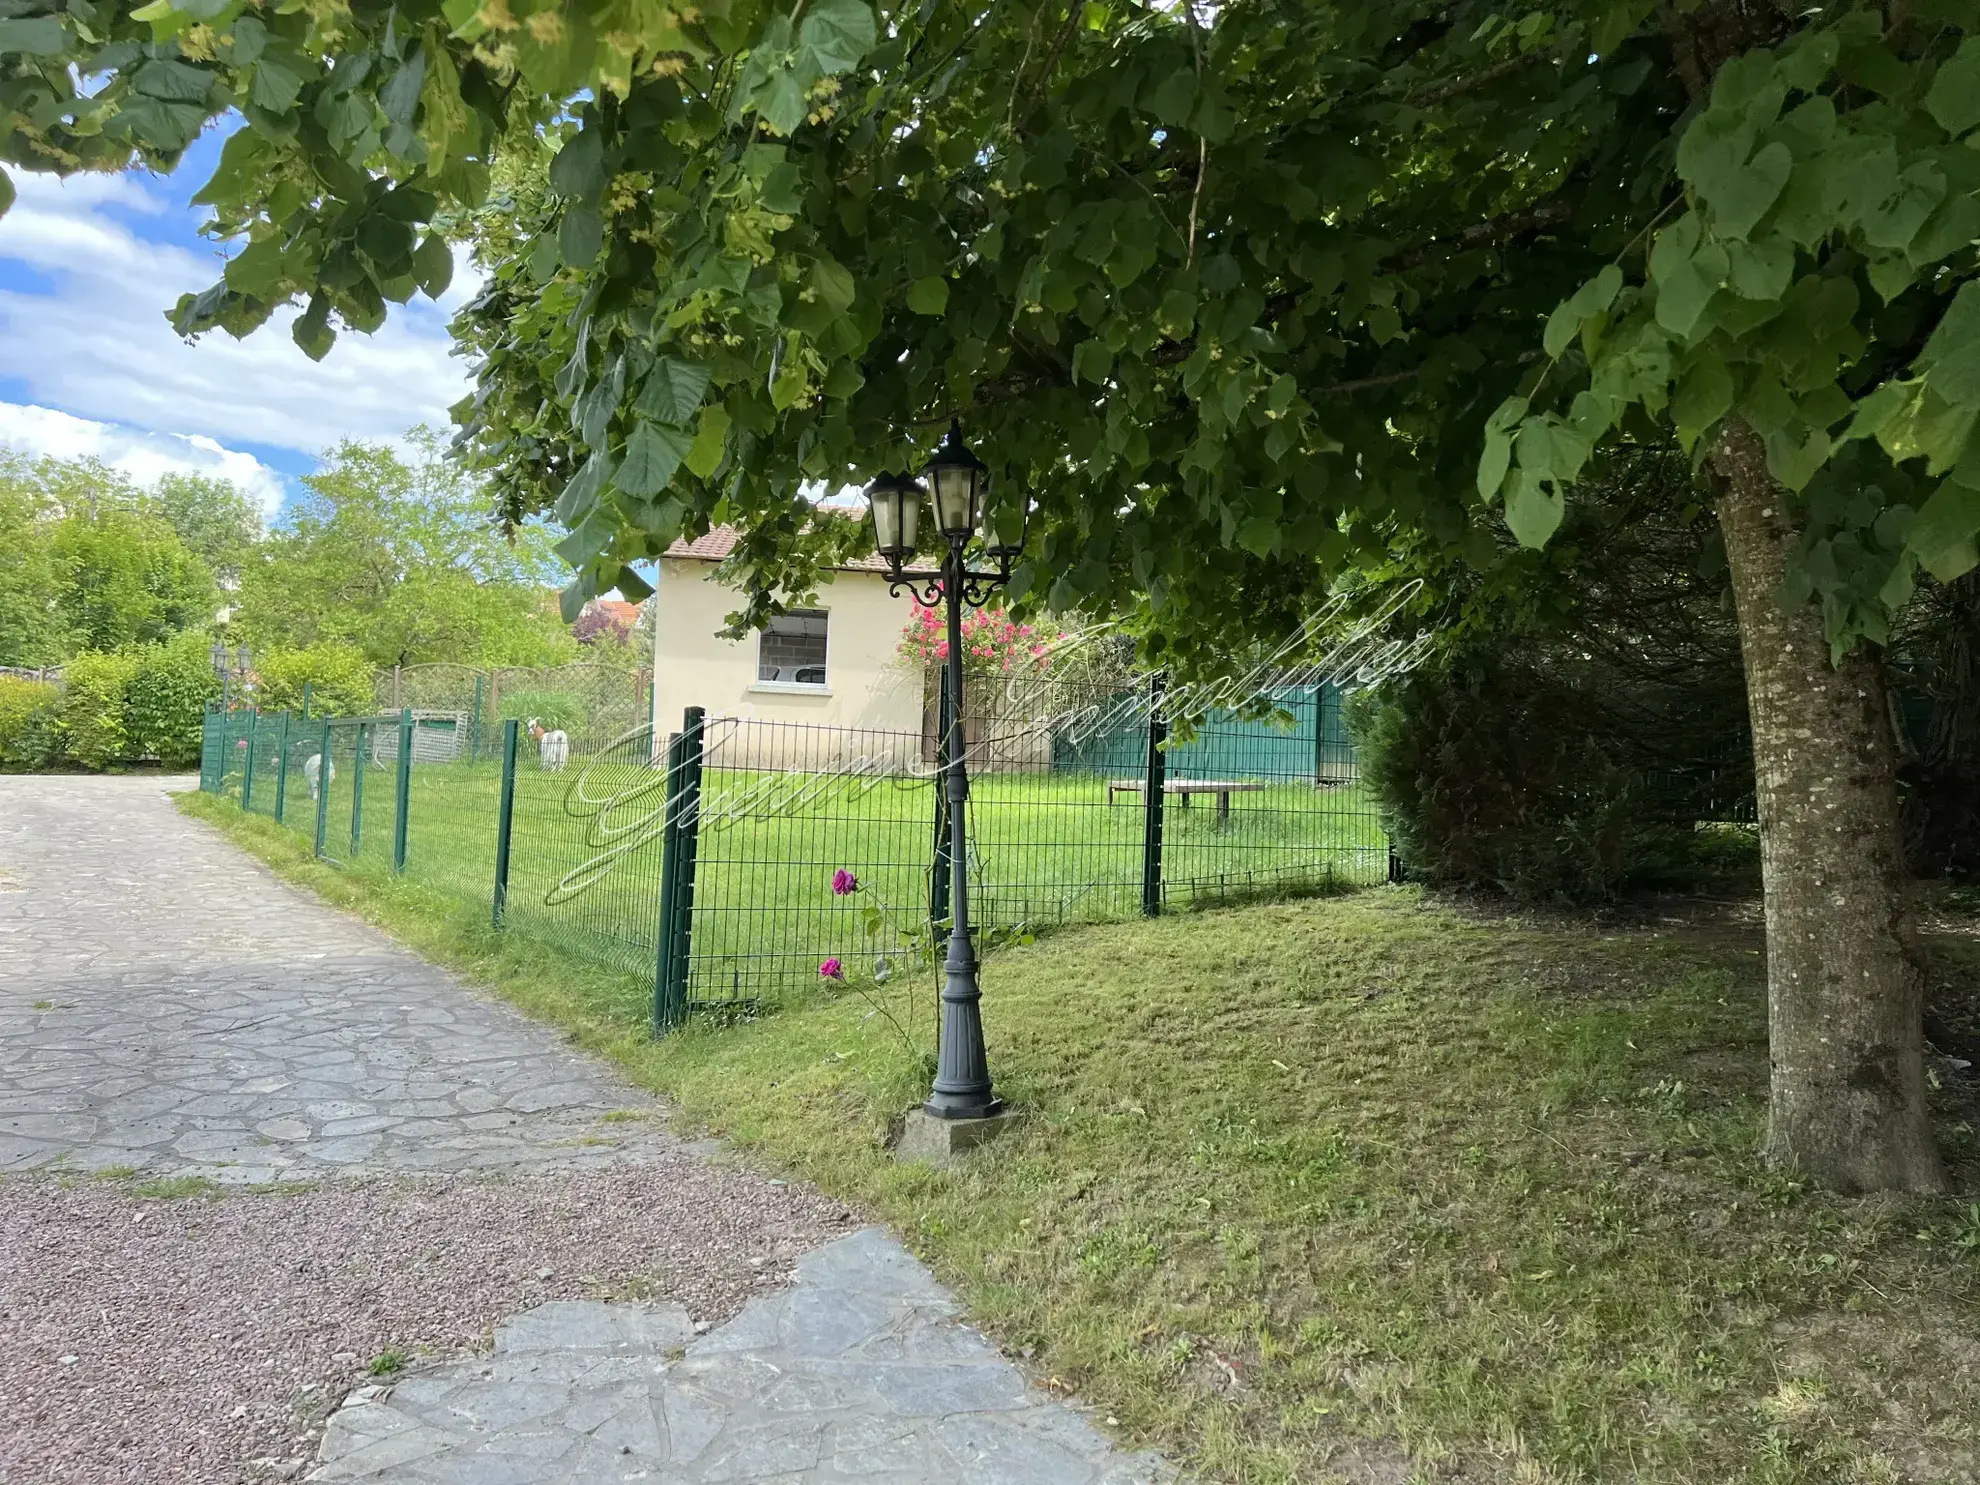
{"x":168,"y":1341}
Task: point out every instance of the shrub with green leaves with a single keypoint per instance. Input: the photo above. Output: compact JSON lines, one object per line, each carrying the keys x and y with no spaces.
{"x":338,"y":677}
{"x":166,"y":698}
{"x":30,"y":737}
{"x":94,"y":693}
{"x":556,"y":710}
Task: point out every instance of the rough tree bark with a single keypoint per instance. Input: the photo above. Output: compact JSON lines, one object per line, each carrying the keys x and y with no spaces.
{"x":1845,"y":997}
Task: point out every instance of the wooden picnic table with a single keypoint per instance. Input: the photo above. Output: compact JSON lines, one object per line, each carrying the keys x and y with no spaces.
{"x":1222,"y":788}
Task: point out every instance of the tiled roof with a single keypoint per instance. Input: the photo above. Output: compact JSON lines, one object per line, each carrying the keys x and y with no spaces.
{"x":721,"y":540}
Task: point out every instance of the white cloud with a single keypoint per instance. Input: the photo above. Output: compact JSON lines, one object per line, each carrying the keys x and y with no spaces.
{"x":100,"y":347}
{"x":141,"y":455}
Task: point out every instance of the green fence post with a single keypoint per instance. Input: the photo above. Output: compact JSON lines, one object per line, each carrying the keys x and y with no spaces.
{"x":247,"y":774}
{"x":402,"y":798}
{"x":505,"y":817}
{"x":282,"y":768}
{"x":474,"y":724}
{"x":938,"y":875}
{"x":1153,"y":792}
{"x":670,"y":856}
{"x":357,"y":787}
{"x":323,"y":768}
{"x":207,"y":750}
{"x":670,"y":989}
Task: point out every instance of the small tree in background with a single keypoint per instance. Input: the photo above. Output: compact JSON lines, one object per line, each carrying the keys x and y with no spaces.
{"x":94,"y":692}
{"x":30,"y":724}
{"x":165,"y":699}
{"x":339,"y":678}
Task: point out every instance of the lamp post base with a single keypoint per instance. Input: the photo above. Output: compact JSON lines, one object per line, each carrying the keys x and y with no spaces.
{"x":934,"y":1140}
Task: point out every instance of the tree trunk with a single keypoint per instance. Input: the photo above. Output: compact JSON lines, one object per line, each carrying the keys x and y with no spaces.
{"x":1845,"y":998}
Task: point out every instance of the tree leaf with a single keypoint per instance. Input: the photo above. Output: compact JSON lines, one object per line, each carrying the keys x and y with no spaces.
{"x":400,"y":96}
{"x":433,"y":265}
{"x":837,"y":33}
{"x":1743,"y":196}
{"x":1092,"y":361}
{"x":652,"y":455}
{"x":672,"y":391}
{"x":1533,"y":509}
{"x":1493,"y":462}
{"x":582,"y":490}
{"x":276,"y":87}
{"x":1954,"y":97}
{"x":1942,"y":534}
{"x":710,"y":442}
{"x":1759,"y":270}
{"x":929,"y":296}
{"x":33,"y":36}
{"x":578,"y":170}
{"x":580,"y":235}
{"x":1682,"y":297}
{"x":1702,"y":398}
{"x":312,"y":329}
{"x":1951,"y":358}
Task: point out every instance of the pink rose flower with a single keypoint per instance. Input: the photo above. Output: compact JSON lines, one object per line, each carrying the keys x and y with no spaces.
{"x":831,"y":969}
{"x":844,"y":883}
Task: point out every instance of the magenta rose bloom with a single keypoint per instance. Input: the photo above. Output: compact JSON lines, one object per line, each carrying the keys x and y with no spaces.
{"x":844,"y":883}
{"x":831,"y":969}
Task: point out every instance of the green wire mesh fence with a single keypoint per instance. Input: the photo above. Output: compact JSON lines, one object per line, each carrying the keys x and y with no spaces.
{"x":703,"y":862}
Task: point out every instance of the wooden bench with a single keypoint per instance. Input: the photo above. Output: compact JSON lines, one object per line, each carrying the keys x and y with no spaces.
{"x":1222,"y":788}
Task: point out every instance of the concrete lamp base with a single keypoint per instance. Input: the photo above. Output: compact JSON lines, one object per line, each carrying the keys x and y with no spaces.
{"x":939,"y":1142}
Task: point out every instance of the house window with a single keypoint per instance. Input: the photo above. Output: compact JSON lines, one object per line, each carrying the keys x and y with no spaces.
{"x":792,"y":649}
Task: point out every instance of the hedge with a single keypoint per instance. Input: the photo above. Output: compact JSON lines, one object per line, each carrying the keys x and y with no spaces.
{"x":30,"y":716}
{"x":339,"y":678}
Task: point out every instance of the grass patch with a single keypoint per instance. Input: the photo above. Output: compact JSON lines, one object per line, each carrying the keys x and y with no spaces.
{"x":1049,"y":848}
{"x":388,"y":1363}
{"x":1364,"y":1184}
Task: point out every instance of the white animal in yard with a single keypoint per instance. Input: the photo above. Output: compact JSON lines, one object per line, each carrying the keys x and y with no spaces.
{"x":553,"y":746}
{"x":312,"y":770}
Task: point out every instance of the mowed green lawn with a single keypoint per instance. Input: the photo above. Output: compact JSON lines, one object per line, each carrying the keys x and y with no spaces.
{"x":1048,"y":849}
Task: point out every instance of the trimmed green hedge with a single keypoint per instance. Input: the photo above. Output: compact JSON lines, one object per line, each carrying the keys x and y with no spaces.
{"x":30,"y":724}
{"x":339,"y":677}
{"x":94,"y":692}
{"x":126,"y":706}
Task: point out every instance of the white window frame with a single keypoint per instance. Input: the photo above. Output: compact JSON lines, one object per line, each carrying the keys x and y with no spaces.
{"x":796,"y":688}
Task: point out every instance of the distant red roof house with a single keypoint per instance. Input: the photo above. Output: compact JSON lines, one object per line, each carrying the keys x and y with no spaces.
{"x":721,"y":540}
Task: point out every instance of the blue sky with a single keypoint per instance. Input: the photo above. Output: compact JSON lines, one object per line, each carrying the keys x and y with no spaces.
{"x":88,"y":364}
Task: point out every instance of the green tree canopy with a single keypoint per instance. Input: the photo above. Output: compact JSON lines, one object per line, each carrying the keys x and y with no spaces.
{"x":215,"y":518}
{"x":123,"y":578}
{"x":91,"y":560}
{"x":400,"y":559}
{"x":30,"y":621}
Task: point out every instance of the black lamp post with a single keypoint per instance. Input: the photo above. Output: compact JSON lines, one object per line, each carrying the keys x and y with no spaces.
{"x":224,"y":671}
{"x":957,"y":483}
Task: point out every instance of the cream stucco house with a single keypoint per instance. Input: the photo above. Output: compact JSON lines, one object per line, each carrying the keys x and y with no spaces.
{"x":835,"y":663}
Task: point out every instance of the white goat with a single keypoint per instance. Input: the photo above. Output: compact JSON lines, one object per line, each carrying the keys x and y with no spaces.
{"x":553,"y":746}
{"x":312,"y":770}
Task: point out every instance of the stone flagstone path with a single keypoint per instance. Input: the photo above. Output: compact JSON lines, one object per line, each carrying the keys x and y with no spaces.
{"x":860,"y":1372}
{"x":166,"y":1005}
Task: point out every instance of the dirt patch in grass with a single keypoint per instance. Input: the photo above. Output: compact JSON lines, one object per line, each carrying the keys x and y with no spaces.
{"x":1375,"y":1187}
